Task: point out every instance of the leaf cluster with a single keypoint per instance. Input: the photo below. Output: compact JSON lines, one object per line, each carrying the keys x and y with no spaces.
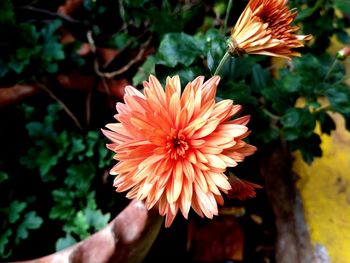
{"x":68,"y":165}
{"x":55,"y":178}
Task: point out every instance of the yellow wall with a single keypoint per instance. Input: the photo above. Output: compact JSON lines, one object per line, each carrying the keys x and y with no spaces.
{"x":325,"y":191}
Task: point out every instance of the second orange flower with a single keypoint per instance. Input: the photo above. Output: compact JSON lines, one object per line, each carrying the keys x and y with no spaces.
{"x":264,"y":28}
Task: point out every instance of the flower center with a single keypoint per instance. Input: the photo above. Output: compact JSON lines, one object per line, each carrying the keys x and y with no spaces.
{"x":177,"y":145}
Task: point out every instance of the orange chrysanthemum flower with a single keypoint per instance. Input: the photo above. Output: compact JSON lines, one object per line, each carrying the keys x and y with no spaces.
{"x":264,"y":28}
{"x":173,"y":148}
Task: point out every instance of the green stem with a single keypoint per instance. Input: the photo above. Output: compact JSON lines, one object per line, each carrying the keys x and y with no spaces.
{"x":222,"y":63}
{"x":342,"y":79}
{"x":331,"y":68}
{"x":324,"y":108}
{"x":228,"y":10}
{"x":271,"y":115}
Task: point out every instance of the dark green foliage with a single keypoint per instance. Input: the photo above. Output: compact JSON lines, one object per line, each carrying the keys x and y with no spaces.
{"x":55,"y":177}
{"x":68,"y":164}
{"x":29,"y":47}
{"x":177,"y":48}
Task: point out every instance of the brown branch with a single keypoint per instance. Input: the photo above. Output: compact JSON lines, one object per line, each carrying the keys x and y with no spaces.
{"x":125,"y":47}
{"x":125,"y":68}
{"x":88,"y":106}
{"x":108,"y":91}
{"x":64,"y":106}
{"x":52,"y":14}
{"x":126,"y":239}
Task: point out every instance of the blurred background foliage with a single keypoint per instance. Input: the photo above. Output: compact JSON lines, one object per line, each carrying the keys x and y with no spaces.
{"x":71,"y":60}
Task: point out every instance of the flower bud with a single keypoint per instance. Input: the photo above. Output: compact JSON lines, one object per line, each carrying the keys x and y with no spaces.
{"x":343,"y":53}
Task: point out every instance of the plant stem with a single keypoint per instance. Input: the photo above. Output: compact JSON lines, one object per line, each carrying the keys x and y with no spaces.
{"x":63,"y":105}
{"x":228,"y":10}
{"x":331,"y":68}
{"x":222,"y":63}
{"x":347,"y":76}
{"x":271,"y":115}
{"x":324,"y":108}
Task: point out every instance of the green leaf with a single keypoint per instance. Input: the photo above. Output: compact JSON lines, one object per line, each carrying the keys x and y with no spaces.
{"x":6,"y":12}
{"x":78,"y":226}
{"x":280,"y":100}
{"x":30,"y":221}
{"x":259,"y":78}
{"x":3,"y":176}
{"x":186,"y":74}
{"x":120,"y":40}
{"x":147,"y":68}
{"x":77,"y":147}
{"x":342,"y":5}
{"x":52,"y":113}
{"x":65,"y":242}
{"x":23,"y":55}
{"x":36,"y":129}
{"x":4,"y":240}
{"x":80,"y":176}
{"x":49,"y":31}
{"x":298,"y":123}
{"x":213,"y":44}
{"x":91,"y":140}
{"x":339,"y":97}
{"x":46,"y":159}
{"x":4,"y":69}
{"x":51,"y":68}
{"x":86,"y":222}
{"x":62,"y":196}
{"x":15,"y":209}
{"x":136,"y":3}
{"x":264,"y":126}
{"x":343,"y":36}
{"x":63,"y":143}
{"x":268,"y":135}
{"x":88,"y":5}
{"x":240,"y":92}
{"x":327,"y":123}
{"x":52,"y":47}
{"x":53,"y":51}
{"x":18,"y":65}
{"x":291,"y":83}
{"x":236,"y":68}
{"x":211,"y":61}
{"x":63,"y":209}
{"x":305,"y":13}
{"x":91,"y":200}
{"x":177,"y":48}
{"x":104,"y":156}
{"x":30,"y":36}
{"x":310,"y":148}
{"x":96,"y":219}
{"x":162,"y":19}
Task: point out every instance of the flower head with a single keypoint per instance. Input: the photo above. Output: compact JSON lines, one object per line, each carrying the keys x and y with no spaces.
{"x":173,"y":148}
{"x":264,"y":28}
